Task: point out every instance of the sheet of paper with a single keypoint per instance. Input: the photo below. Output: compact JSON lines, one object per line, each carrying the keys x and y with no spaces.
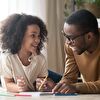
{"x":36,"y":93}
{"x":46,"y":94}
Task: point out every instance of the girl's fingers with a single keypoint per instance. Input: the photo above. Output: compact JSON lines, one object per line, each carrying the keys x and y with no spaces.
{"x":20,"y":81}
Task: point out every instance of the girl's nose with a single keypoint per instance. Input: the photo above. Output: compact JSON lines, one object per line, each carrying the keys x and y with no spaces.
{"x":37,"y":40}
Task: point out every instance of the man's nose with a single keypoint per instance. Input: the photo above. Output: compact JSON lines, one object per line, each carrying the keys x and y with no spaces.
{"x":69,"y":42}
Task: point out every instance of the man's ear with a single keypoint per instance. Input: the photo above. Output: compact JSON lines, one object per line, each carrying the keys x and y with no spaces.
{"x":90,"y":35}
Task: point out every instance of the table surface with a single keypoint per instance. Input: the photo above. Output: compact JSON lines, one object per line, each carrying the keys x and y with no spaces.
{"x":47,"y":97}
{"x":51,"y":97}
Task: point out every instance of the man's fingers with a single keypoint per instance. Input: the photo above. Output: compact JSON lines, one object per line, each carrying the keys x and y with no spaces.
{"x":63,"y":88}
{"x":56,"y":88}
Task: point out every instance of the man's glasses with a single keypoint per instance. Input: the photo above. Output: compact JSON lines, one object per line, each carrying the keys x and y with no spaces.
{"x":72,"y":38}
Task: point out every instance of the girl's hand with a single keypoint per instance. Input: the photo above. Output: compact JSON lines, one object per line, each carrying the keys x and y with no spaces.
{"x":22,"y":87}
{"x":47,"y":86}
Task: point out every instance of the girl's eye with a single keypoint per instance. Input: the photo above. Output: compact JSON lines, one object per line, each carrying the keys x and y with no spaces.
{"x":33,"y":35}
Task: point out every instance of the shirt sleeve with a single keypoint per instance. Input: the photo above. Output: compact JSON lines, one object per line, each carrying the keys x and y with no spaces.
{"x":88,"y":87}
{"x":6,"y":66}
{"x":71,"y":70}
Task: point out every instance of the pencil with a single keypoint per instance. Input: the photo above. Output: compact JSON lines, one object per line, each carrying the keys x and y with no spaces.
{"x":43,"y":82}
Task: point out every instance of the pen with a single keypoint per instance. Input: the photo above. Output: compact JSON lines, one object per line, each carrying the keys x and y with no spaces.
{"x":68,"y":94}
{"x":42,"y":83}
{"x":46,"y":93}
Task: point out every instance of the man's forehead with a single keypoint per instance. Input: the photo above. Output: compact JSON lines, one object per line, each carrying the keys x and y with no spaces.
{"x":70,"y":27}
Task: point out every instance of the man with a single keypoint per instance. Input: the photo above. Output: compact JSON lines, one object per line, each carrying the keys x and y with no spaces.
{"x":82,"y":48}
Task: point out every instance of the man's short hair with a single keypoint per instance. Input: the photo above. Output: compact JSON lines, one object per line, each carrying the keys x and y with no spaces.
{"x":85,"y":21}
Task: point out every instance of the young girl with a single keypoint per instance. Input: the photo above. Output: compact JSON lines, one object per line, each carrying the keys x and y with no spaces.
{"x":22,"y":62}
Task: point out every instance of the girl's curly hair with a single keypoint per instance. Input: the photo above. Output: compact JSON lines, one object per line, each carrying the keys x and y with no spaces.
{"x":13,"y":30}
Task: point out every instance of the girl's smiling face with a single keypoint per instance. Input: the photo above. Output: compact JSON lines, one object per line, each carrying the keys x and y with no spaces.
{"x":31,"y":39}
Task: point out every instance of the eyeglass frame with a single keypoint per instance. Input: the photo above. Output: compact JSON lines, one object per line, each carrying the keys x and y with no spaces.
{"x":75,"y":37}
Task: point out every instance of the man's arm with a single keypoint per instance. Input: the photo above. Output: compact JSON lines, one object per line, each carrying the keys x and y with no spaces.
{"x":70,"y":75}
{"x":71,"y":70}
{"x":88,"y":87}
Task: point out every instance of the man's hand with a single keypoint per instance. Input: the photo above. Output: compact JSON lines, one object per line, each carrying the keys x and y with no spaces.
{"x":64,"y":88}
